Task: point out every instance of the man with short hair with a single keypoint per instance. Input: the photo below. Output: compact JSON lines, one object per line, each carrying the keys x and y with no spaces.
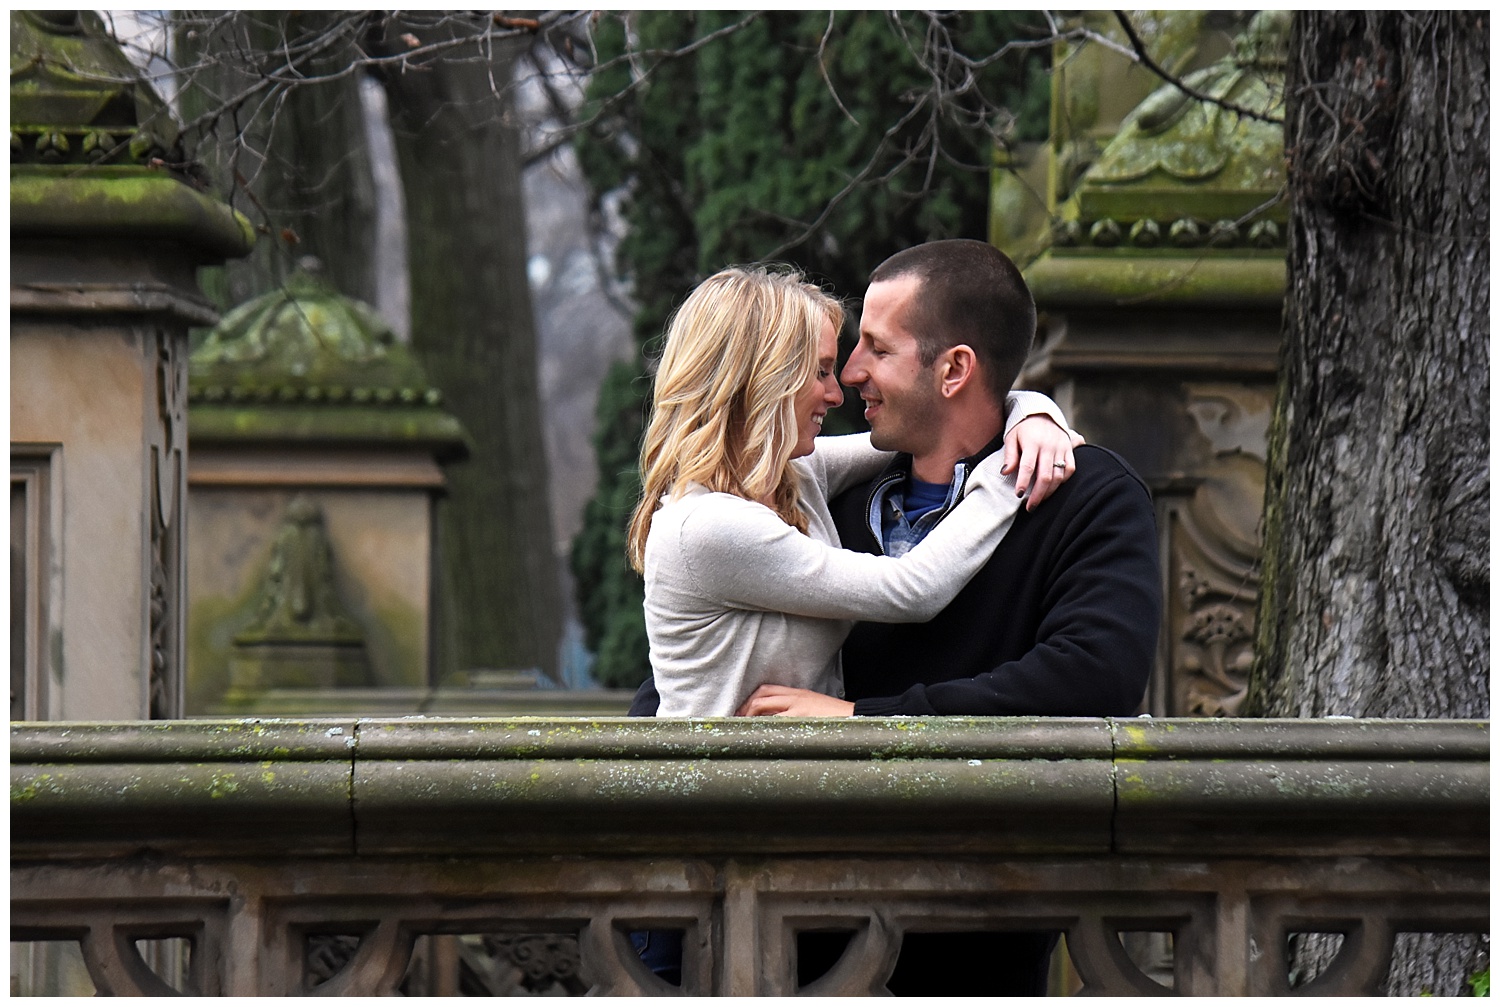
{"x":1062,"y":621}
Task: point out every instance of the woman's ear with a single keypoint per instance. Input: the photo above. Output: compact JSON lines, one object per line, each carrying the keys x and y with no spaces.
{"x":956,"y":368}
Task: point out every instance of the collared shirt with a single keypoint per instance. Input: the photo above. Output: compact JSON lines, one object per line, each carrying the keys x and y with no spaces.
{"x":898,"y":532}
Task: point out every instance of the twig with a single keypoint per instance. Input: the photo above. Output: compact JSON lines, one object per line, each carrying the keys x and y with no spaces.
{"x":823,"y":70}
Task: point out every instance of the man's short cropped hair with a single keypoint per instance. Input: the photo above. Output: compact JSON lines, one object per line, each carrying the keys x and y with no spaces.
{"x":970,"y":293}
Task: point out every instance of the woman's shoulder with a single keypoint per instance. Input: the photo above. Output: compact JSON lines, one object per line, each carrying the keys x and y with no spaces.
{"x":702,"y":526}
{"x":699,"y":507}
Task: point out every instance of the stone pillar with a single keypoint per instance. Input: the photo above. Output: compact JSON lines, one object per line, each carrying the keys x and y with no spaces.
{"x":1159,"y":286}
{"x":318,"y":458}
{"x":106,"y":236}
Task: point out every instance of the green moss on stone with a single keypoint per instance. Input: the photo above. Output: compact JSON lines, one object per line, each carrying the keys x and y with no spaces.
{"x":1062,"y":280}
{"x":125,"y":203}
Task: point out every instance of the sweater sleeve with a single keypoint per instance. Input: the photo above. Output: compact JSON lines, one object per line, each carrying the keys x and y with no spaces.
{"x":742,"y":555}
{"x":1019,"y":405}
{"x":1095,"y":645}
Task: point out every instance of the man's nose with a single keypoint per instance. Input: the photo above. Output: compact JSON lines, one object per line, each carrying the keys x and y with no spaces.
{"x":854,"y":369}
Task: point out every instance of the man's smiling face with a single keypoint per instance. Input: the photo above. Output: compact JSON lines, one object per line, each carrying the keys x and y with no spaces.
{"x":901,"y":396}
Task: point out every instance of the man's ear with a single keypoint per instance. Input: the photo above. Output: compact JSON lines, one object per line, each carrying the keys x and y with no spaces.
{"x":957,"y":368}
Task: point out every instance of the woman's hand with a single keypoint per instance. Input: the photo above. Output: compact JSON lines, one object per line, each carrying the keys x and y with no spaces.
{"x":1040,"y":453}
{"x":785,"y":701}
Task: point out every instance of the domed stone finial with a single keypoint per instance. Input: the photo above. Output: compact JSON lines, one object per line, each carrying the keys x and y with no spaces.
{"x":95,"y":152}
{"x":303,"y":340}
{"x":1184,"y":202}
{"x":304,"y":363}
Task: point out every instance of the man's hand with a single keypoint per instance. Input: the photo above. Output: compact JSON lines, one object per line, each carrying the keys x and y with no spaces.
{"x":1040,"y":453}
{"x":784,"y":701}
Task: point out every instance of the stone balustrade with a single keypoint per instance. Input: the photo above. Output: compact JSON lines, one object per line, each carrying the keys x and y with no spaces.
{"x":367,"y":856}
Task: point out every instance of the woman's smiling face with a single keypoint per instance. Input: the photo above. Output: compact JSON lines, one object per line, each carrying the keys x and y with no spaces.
{"x":820,"y":394}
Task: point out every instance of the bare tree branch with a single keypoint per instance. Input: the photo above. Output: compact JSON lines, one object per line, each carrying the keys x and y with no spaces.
{"x":563,"y":54}
{"x":823,"y":70}
{"x":810,"y":229}
{"x":638,"y":80}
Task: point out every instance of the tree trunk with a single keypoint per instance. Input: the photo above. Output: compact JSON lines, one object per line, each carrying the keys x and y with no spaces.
{"x":1375,"y":597}
{"x":472,"y":328}
{"x":302,"y":152}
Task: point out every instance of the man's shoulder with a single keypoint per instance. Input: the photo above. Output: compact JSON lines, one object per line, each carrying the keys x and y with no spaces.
{"x":1104,"y":496}
{"x":1098,"y":467}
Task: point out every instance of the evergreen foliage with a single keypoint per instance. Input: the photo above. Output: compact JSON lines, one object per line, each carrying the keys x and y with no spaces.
{"x":726,"y":156}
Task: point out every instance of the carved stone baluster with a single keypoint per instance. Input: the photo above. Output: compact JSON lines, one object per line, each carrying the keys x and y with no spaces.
{"x":1102,"y":963}
{"x":610,"y":965}
{"x":698,"y":941}
{"x":1362,"y":963}
{"x":864,"y":967}
{"x":1358,"y":969}
{"x":746,"y":968}
{"x":240,"y":973}
{"x":1237,"y":949}
{"x":378,"y":964}
{"x":117,"y":968}
{"x":1193,"y":958}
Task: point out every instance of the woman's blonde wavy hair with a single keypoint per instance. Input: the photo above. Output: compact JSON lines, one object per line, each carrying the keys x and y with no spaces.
{"x":737,"y":352}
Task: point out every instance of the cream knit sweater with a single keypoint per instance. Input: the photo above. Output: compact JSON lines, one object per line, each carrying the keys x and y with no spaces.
{"x":736,"y":597}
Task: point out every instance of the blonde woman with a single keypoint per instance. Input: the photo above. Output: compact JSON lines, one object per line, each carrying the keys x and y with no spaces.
{"x":745,"y":580}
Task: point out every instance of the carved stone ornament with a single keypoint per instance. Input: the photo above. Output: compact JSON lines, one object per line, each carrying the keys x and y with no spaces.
{"x":76,"y":99}
{"x":542,"y":964}
{"x":302,"y":634}
{"x":1196,"y":169}
{"x":1214,"y":552}
{"x":168,"y":448}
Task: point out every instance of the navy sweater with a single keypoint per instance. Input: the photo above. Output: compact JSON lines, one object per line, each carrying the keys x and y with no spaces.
{"x":1062,"y":621}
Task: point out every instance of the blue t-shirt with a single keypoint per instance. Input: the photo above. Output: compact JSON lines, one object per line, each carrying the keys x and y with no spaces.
{"x":922,"y":497}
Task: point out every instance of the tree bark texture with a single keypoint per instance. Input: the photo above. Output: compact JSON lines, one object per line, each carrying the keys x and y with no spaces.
{"x":1375,"y":596}
{"x":472,"y":327}
{"x":1377,"y":582}
{"x":294,"y":158}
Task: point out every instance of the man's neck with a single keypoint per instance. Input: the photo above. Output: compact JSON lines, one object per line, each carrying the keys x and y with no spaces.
{"x":963,"y":435}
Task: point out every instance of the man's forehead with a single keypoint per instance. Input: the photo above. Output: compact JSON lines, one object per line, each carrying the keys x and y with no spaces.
{"x":890,"y":298}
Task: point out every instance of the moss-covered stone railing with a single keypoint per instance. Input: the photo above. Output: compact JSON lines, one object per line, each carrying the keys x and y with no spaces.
{"x":264,"y":845}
